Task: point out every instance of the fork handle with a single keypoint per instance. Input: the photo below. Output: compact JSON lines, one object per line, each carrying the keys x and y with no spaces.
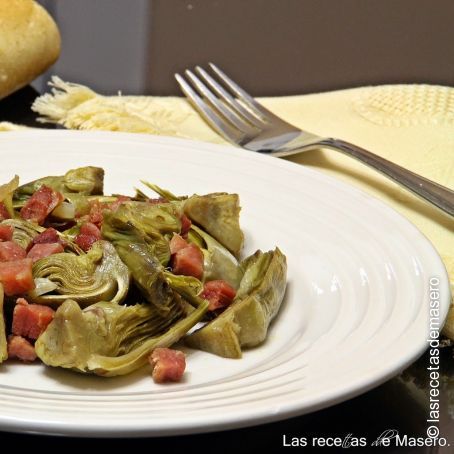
{"x":434,"y":193}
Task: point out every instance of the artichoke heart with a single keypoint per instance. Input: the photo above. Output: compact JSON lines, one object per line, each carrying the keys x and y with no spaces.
{"x":245,"y":322}
{"x":218,"y":214}
{"x":3,"y":342}
{"x":84,"y":180}
{"x":99,"y":275}
{"x":108,"y":339}
{"x":23,"y":231}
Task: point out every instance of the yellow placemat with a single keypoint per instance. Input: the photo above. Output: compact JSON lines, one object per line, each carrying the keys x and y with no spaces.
{"x":412,"y":125}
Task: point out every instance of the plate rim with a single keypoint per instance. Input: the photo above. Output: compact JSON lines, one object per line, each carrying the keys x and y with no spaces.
{"x":291,"y":410}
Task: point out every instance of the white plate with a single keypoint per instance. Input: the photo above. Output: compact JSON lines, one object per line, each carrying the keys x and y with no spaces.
{"x":355,"y":314}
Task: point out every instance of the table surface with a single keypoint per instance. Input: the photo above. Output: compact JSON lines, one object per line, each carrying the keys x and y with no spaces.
{"x":400,"y":404}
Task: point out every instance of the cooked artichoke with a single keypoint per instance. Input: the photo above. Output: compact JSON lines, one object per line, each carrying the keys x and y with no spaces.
{"x":137,"y":251}
{"x":140,"y":221}
{"x":219,"y":263}
{"x":84,"y":180}
{"x":81,"y":204}
{"x":108,"y":339}
{"x":164,"y":193}
{"x":218,"y":214}
{"x":23,"y":231}
{"x":3,"y":342}
{"x":245,"y":322}
{"x":140,"y":258}
{"x":6,"y":194}
{"x":98,"y":275}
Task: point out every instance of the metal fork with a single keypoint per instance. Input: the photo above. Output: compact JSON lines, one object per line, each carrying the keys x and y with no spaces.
{"x":240,"y":119}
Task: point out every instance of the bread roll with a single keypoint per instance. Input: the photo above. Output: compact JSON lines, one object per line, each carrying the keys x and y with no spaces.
{"x":29,"y":43}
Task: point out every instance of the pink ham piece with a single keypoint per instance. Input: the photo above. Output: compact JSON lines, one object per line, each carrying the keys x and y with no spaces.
{"x":21,"y":348}
{"x":168,"y":365}
{"x":6,"y":232}
{"x":95,"y":216}
{"x":177,"y":243}
{"x":41,"y":204}
{"x":17,"y":276}
{"x":89,"y":234}
{"x":4,"y":212}
{"x":188,"y":262}
{"x":185,"y":225}
{"x":39,"y":251}
{"x":30,"y":320}
{"x":9,"y":250}
{"x":219,"y":293}
{"x":49,"y":235}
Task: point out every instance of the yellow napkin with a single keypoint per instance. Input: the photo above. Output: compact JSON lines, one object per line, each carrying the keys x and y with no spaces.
{"x":412,"y":125}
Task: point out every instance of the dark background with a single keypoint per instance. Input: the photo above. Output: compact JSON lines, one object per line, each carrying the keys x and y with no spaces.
{"x":282,"y":47}
{"x":273,"y":47}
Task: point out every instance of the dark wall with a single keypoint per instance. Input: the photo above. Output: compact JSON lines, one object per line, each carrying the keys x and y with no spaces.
{"x":277,"y":47}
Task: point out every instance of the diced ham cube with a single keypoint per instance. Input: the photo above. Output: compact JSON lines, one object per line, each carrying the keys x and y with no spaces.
{"x":185,"y":225}
{"x":188,"y":262}
{"x":30,"y":320}
{"x":177,"y":243}
{"x":168,"y":365}
{"x":41,"y":204}
{"x":95,"y":216}
{"x":21,"y":348}
{"x":6,"y":232}
{"x":9,"y":250}
{"x":4,"y":212}
{"x":17,"y":276}
{"x":49,"y":235}
{"x":39,"y":251}
{"x":89,"y":234}
{"x":219,"y":293}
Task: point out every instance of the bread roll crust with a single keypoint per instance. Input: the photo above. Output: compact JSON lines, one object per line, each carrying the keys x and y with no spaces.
{"x":29,"y":43}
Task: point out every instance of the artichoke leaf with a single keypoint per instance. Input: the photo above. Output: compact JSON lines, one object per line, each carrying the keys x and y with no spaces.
{"x":245,"y":322}
{"x":83,"y":180}
{"x":164,"y":193}
{"x":187,"y":286}
{"x":88,"y":278}
{"x":218,"y":214}
{"x":3,"y":341}
{"x":219,"y":263}
{"x":147,"y":274}
{"x":139,"y":256}
{"x":152,"y":219}
{"x":108,"y":339}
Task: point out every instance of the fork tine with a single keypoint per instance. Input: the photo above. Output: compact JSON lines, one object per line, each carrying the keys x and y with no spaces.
{"x":229,"y":99}
{"x":218,"y":105}
{"x":260,"y":110}
{"x":207,"y":113}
